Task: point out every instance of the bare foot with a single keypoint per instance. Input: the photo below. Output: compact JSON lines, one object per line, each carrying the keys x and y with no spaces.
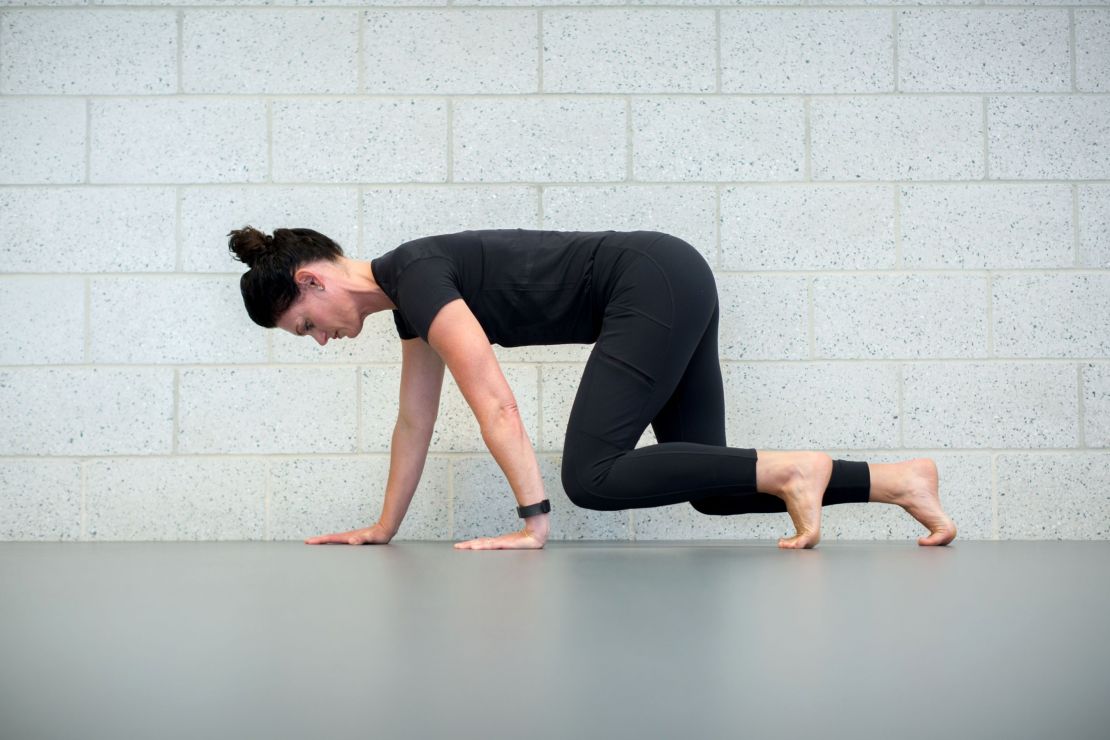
{"x":803,"y":494}
{"x":916,"y":492}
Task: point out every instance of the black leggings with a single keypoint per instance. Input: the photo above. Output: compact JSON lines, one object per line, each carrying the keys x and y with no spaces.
{"x":655,"y":361}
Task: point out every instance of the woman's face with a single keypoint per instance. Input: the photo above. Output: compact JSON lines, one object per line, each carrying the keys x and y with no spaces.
{"x":322,"y":312}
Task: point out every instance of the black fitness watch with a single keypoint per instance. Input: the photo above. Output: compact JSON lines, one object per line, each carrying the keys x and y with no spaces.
{"x":532,"y":509}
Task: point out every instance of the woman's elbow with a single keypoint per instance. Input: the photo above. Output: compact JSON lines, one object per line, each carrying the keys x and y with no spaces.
{"x":499,"y":417}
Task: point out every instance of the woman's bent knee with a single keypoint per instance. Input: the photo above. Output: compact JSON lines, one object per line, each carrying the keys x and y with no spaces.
{"x":711,"y":506}
{"x":583,"y":496}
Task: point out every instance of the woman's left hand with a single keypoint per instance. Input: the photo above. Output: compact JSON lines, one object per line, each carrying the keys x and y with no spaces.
{"x":522,"y":540}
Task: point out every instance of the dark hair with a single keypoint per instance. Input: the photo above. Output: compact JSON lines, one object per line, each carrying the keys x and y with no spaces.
{"x":267,"y":287}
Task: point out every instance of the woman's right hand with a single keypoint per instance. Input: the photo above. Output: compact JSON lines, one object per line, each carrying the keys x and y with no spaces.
{"x":375,"y":534}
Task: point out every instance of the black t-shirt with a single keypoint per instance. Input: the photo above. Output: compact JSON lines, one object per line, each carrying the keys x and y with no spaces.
{"x":524,"y":286}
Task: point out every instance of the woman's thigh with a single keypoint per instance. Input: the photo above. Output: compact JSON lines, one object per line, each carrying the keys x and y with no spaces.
{"x":656,"y":317}
{"x":695,"y":411}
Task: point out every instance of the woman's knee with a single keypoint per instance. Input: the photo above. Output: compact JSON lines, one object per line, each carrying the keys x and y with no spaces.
{"x":710,"y":506}
{"x":581,"y":495}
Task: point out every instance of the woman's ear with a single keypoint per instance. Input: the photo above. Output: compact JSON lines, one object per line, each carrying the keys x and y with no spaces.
{"x":307,"y":279}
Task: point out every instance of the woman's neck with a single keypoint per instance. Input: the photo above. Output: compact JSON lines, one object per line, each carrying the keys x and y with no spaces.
{"x":368,"y":294}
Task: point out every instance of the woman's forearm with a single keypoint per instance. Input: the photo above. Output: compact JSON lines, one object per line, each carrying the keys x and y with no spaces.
{"x":408,"y":453}
{"x":508,"y":441}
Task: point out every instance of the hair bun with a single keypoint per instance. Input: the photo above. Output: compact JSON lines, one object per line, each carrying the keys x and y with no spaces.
{"x":249,"y":245}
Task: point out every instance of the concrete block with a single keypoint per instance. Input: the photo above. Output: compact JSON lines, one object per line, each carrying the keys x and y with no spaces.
{"x":718,"y":138}
{"x":451,"y":51}
{"x":163,"y":319}
{"x":1096,"y":403}
{"x":806,"y":50}
{"x":87,"y":411}
{"x":900,"y":316}
{"x":990,"y":404}
{"x":763,"y":317}
{"x":1054,"y":496}
{"x":260,"y":410}
{"x":575,"y":138}
{"x":43,"y":141}
{"x":1052,"y":315}
{"x":41,"y":501}
{"x":176,"y":499}
{"x":790,"y":406}
{"x":1092,"y":49}
{"x":178,"y":140}
{"x":1051,"y":137}
{"x":99,"y":229}
{"x":629,"y":50}
{"x":807,"y":227}
{"x":84,"y":51}
{"x":44,"y":320}
{"x":987,"y":226}
{"x":287,"y":50}
{"x":984,"y":50}
{"x":360,"y":140}
{"x":879,"y":138}
{"x":1094,"y":226}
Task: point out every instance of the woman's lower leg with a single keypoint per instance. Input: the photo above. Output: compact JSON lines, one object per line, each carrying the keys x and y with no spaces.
{"x":775,"y":470}
{"x":800,"y":480}
{"x":795,"y":477}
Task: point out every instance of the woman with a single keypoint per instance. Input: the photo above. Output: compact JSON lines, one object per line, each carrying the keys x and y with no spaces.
{"x":647,"y":300}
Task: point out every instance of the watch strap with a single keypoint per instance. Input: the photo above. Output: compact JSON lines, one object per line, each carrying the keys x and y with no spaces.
{"x":532,"y":509}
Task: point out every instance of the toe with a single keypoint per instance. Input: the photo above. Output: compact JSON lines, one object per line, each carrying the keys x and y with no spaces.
{"x":939,"y":537}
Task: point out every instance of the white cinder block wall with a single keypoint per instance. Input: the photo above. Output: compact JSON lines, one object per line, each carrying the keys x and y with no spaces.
{"x":907,"y":209}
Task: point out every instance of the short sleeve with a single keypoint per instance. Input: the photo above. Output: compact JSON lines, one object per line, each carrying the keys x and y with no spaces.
{"x":423,"y":287}
{"x":403,"y":329}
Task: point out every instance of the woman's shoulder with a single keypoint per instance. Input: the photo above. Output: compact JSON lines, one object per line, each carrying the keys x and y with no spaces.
{"x":450,"y":245}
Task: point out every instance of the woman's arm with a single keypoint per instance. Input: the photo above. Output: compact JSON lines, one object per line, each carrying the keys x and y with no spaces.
{"x":458,"y":338}
{"x":421,"y":385}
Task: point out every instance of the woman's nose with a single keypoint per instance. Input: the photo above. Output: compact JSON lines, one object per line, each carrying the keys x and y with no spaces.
{"x":322,"y":338}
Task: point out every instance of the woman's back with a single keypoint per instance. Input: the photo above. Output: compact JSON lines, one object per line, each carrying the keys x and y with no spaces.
{"x":524,"y":286}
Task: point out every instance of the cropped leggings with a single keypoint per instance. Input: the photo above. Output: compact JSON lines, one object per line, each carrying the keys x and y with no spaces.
{"x":655,"y":361}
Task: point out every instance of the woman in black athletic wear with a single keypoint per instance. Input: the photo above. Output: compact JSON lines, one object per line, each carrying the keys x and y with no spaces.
{"x":648,"y":303}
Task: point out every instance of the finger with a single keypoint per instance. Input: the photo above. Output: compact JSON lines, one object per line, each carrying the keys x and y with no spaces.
{"x":322,"y":539}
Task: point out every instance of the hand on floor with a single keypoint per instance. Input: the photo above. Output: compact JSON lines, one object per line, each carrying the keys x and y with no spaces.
{"x":376,"y":534}
{"x":522,"y":540}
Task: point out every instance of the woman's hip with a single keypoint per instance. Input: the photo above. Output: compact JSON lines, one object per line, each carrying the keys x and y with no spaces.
{"x":662,"y":277}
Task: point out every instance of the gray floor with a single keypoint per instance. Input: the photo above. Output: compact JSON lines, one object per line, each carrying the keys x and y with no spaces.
{"x":578,"y":640}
